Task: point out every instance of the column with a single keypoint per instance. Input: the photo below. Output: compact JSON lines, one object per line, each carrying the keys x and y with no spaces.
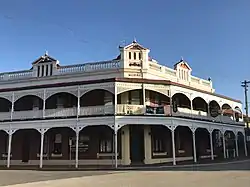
{"x":224,"y":144}
{"x":48,"y":69}
{"x":245,"y":143}
{"x":147,"y":145}
{"x":173,"y":145}
{"x":44,"y":67}
{"x":208,"y":109}
{"x":191,"y":109}
{"x":115,"y":99}
{"x":236,"y":144}
{"x":9,"y":149}
{"x":144,"y":96}
{"x":77,"y":147}
{"x":171,"y":103}
{"x":194,"y":146}
{"x":211,"y":144}
{"x":116,"y":160}
{"x":41,"y":148}
{"x":125,"y":146}
{"x":78,"y":101}
{"x":44,"y":102}
{"x":12,"y":105}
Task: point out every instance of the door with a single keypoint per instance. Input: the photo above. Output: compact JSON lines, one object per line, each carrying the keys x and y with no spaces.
{"x":25,"y":147}
{"x":136,"y":144}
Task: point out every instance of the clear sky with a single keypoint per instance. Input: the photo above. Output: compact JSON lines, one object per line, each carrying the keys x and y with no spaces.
{"x":212,"y":36}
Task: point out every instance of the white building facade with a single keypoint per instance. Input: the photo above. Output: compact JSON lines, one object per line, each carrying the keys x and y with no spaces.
{"x":129,"y":110}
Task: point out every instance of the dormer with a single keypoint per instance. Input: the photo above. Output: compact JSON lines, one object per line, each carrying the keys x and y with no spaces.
{"x":134,"y":55}
{"x":44,"y":66}
{"x":183,"y":70}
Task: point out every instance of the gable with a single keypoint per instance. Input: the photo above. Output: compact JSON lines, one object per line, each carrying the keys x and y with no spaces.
{"x":44,"y":59}
{"x":135,"y":46}
{"x":184,"y":66}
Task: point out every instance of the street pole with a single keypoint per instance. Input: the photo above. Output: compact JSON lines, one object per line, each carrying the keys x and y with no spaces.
{"x":244,"y":84}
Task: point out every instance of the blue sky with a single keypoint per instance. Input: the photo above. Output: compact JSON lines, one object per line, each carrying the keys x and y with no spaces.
{"x":213,"y":36}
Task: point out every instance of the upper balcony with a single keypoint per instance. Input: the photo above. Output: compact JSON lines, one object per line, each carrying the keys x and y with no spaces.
{"x":159,"y":105}
{"x":60,"y":105}
{"x":100,"y":102}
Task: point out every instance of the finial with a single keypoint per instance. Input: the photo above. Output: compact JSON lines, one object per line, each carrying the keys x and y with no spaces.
{"x":182,"y":59}
{"x":46,"y":53}
{"x":134,"y":41}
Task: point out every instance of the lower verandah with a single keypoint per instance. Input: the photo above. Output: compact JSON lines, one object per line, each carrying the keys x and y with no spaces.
{"x":137,"y":144}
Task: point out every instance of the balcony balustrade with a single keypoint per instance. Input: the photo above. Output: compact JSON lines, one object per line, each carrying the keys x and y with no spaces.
{"x":5,"y":116}
{"x":96,"y":110}
{"x":121,"y":109}
{"x":31,"y":114}
{"x":60,"y":112}
{"x":128,"y":109}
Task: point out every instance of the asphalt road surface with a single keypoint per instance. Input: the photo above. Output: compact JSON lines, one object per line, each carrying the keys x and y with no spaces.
{"x":223,"y":174}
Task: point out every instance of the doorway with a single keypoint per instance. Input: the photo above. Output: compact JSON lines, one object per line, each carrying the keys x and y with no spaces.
{"x":25,"y":146}
{"x":136,"y":144}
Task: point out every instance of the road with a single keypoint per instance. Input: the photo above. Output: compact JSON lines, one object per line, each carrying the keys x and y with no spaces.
{"x":223,"y":174}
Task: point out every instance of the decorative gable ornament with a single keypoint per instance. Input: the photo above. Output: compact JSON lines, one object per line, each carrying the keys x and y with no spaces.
{"x":183,"y":65}
{"x":45,"y":59}
{"x":135,"y":46}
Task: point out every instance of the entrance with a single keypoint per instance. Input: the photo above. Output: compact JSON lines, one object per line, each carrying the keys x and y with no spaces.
{"x":25,"y":147}
{"x":136,"y":144}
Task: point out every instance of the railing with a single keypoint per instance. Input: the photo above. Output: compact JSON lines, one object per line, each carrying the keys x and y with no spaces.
{"x":60,"y":112}
{"x":32,"y":114}
{"x":127,"y":109}
{"x":171,"y":74}
{"x":16,"y":75}
{"x":5,"y":116}
{"x":121,"y":109}
{"x":199,"y":114}
{"x":185,"y":112}
{"x":114,"y":64}
{"x":96,"y":110}
{"x":88,"y":67}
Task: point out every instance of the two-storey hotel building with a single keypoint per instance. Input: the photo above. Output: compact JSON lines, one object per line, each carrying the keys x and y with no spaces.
{"x":129,"y":110}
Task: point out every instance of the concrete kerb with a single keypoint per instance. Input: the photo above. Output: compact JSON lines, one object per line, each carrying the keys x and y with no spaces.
{"x":122,"y":168}
{"x":183,"y":166}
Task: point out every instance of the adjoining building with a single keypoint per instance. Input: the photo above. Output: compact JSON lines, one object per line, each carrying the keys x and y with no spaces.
{"x":129,"y":110}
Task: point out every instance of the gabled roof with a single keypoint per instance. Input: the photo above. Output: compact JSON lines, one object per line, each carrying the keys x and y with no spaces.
{"x":135,"y":45}
{"x":43,"y":59}
{"x":183,"y":64}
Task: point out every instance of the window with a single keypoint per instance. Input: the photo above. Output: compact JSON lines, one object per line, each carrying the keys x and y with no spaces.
{"x":105,"y":146}
{"x":134,"y":55}
{"x":47,"y":70}
{"x":134,"y":97}
{"x":51,"y":69}
{"x":158,"y":145}
{"x":38,"y":71}
{"x":108,"y":98}
{"x":35,"y":103}
{"x":180,"y":144}
{"x":42,"y":71}
{"x":129,"y":54}
{"x":139,"y":56}
{"x":59,"y":102}
{"x":57,"y":144}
